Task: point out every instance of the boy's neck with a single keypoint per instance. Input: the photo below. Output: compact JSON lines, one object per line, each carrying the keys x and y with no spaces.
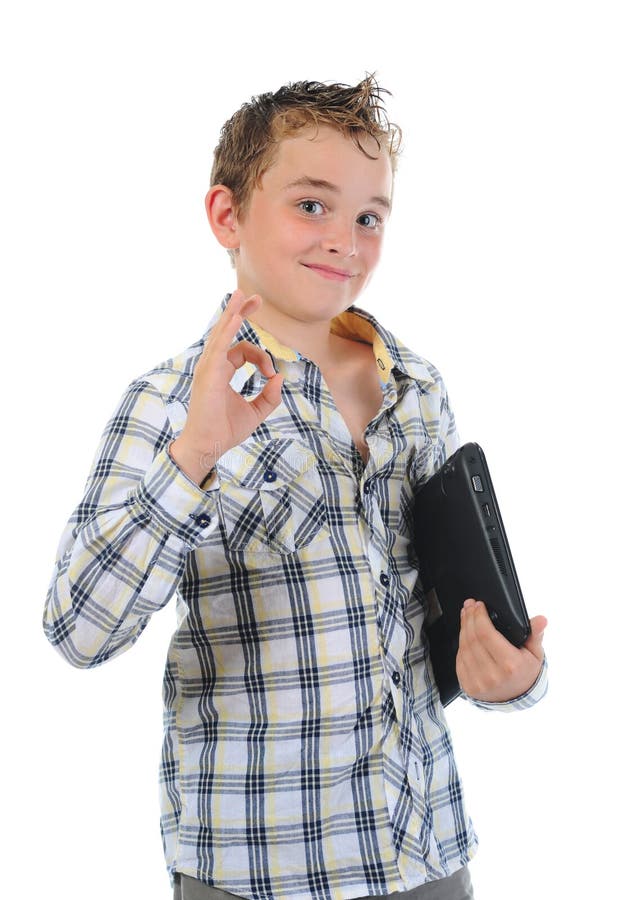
{"x":313,"y":340}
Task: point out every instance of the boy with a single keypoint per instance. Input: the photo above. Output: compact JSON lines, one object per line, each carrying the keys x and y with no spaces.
{"x":266,"y":476}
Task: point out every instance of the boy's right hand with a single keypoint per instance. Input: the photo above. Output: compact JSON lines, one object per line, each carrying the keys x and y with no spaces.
{"x":219,"y":418}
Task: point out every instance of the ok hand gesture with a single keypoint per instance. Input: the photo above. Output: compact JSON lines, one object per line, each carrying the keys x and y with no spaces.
{"x":219,"y":417}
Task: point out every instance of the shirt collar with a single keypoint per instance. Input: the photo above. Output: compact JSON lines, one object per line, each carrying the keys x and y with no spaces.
{"x":354,"y":323}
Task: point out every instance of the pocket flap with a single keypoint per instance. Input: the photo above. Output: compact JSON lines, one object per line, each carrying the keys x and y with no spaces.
{"x":266,"y":465}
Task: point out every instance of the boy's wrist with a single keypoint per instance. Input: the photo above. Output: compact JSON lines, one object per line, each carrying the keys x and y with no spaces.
{"x":197,"y":466}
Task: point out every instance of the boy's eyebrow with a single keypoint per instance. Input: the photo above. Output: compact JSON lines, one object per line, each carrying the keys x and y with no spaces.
{"x":307,"y":181}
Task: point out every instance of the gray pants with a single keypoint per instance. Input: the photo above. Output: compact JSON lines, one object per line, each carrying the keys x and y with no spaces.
{"x":455,"y":887}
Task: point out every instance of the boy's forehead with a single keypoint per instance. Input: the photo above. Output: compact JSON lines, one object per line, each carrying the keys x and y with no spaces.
{"x":325,"y":151}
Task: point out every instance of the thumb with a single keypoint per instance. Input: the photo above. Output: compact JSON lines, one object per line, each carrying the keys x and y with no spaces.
{"x":534,"y":642}
{"x":269,"y":397}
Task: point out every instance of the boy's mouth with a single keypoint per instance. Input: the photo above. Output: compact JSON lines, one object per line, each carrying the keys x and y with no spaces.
{"x":330,"y":272}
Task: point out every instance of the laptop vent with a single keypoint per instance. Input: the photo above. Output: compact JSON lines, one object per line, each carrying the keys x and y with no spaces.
{"x":497,"y":552}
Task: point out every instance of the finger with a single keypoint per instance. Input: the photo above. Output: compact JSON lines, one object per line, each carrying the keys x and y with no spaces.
{"x":485,"y":639}
{"x":472,"y":643}
{"x":224,"y":331}
{"x":242,"y":304}
{"x":231,"y":309}
{"x":245,"y":351}
{"x":534,"y":642}
{"x":474,"y":667}
{"x":232,"y":317}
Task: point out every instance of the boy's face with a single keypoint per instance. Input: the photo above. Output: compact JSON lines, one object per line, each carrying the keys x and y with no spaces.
{"x":291,"y":231}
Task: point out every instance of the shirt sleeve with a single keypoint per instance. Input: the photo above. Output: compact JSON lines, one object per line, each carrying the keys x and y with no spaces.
{"x":123,"y":551}
{"x":535,"y":693}
{"x":440,"y":424}
{"x":448,"y":439}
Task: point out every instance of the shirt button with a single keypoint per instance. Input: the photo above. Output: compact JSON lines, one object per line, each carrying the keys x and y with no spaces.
{"x":270,"y":475}
{"x":203,"y":520}
{"x":396,"y":678}
{"x":367,"y":487}
{"x":384,"y":579}
{"x":381,"y":365}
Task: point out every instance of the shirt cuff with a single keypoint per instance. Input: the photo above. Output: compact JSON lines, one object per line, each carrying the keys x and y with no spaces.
{"x":535,"y":693}
{"x":176,"y":503}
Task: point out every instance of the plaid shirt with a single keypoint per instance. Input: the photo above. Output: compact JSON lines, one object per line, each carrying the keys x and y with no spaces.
{"x":306,"y":753}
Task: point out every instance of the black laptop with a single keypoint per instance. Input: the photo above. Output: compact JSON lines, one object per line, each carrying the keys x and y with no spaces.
{"x":463,"y":551}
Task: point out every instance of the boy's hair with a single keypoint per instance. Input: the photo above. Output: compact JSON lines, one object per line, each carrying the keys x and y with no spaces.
{"x":249,"y":139}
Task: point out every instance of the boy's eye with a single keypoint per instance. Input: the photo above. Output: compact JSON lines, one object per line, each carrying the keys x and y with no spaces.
{"x":374,"y":220}
{"x":305,"y":204}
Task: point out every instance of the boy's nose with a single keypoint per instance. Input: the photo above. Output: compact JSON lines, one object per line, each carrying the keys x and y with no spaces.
{"x":340,"y":239}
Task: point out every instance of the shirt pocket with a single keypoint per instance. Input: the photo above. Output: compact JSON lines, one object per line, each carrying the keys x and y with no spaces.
{"x":271,"y":496}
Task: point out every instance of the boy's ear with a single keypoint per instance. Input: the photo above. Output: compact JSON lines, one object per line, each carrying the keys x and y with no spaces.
{"x":222,"y":216}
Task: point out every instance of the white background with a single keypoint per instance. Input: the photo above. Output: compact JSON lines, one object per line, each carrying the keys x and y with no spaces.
{"x":511,"y":262}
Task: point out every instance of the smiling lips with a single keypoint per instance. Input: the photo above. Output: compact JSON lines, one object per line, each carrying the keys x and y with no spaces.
{"x":329,"y":272}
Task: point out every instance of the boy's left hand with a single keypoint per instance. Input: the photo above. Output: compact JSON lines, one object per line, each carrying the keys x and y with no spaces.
{"x":488,"y":666}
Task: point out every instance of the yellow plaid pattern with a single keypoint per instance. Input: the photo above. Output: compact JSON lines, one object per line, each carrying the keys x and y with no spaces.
{"x":306,"y":752}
